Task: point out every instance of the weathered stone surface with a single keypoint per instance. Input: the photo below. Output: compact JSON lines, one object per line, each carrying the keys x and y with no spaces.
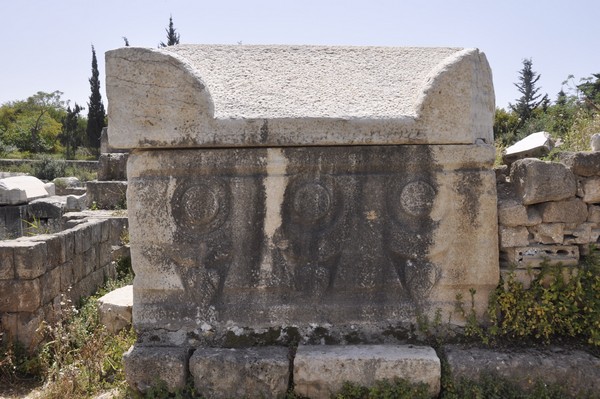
{"x":513,"y":236}
{"x":47,"y":208}
{"x":20,"y":295}
{"x":105,"y":147}
{"x":115,"y":308}
{"x":146,"y":367}
{"x":315,"y":235}
{"x":31,"y":258}
{"x":320,"y":371}
{"x":261,"y":372}
{"x":21,"y":189}
{"x":585,"y":233}
{"x":7,"y":265}
{"x":548,"y":233}
{"x":589,"y":189}
{"x":112,"y":166}
{"x":76,"y":203}
{"x":512,"y":213}
{"x":11,"y":221}
{"x":593,"y":213}
{"x":523,"y":276}
{"x":533,"y":146}
{"x":106,"y":194}
{"x":534,"y":255}
{"x":539,"y":181}
{"x":297,"y":95}
{"x":572,"y":210}
{"x":582,"y":163}
{"x":595,"y":142}
{"x":578,"y":372}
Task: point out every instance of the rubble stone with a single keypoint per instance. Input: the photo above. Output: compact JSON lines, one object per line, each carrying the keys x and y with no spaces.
{"x":539,"y":181}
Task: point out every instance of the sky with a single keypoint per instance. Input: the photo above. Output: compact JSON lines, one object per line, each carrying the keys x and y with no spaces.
{"x":46,"y":45}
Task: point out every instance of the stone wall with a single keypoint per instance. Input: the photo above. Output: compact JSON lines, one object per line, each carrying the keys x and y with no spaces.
{"x":38,"y":274}
{"x":548,"y":211}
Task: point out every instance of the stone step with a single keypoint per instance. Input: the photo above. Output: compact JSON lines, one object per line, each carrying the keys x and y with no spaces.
{"x":115,"y":309}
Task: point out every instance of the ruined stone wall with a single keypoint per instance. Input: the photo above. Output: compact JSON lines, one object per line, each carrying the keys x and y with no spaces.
{"x":548,"y":211}
{"x":39,"y":274}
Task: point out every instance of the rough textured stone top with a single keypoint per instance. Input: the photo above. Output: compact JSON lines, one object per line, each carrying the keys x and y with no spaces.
{"x":205,"y":95}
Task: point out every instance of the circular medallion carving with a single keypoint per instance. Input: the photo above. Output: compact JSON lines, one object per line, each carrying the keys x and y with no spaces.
{"x":200,"y":207}
{"x":312,"y":201}
{"x":415,"y":198}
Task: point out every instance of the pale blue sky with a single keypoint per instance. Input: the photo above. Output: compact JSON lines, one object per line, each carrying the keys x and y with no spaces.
{"x":46,"y":44}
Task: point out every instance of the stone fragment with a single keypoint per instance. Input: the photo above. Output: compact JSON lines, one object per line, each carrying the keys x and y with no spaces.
{"x":31,"y":258}
{"x":533,"y":146}
{"x":576,"y":371}
{"x":548,"y":233}
{"x":260,"y":372}
{"x":501,"y":172}
{"x":512,"y":213}
{"x":572,"y":210}
{"x":582,"y":163}
{"x":595,"y":142}
{"x":21,"y":189}
{"x":112,"y":167}
{"x":50,"y":189}
{"x":533,"y":256}
{"x":538,"y":181}
{"x":513,"y":236}
{"x":320,"y":371}
{"x":7,"y":265}
{"x":147,"y":366}
{"x":76,"y":203}
{"x":115,"y":309}
{"x":11,"y":221}
{"x":589,"y":189}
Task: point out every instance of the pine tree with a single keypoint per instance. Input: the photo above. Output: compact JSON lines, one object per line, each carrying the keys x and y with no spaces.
{"x":172,"y":36}
{"x":69,"y":137}
{"x":96,"y":113}
{"x":530,"y":99}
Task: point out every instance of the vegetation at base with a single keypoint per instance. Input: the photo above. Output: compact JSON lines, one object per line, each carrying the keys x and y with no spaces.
{"x":79,"y":357}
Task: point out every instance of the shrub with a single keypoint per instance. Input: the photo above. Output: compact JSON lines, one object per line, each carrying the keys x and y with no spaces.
{"x":49,"y":169}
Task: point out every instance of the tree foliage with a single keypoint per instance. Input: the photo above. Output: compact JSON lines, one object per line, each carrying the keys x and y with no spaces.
{"x":530,"y":99}
{"x":96,"y":112}
{"x":71,"y":135}
{"x":172,"y":36}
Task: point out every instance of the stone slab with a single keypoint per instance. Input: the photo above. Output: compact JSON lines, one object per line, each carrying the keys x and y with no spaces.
{"x":320,"y":235}
{"x":572,"y":211}
{"x":52,"y":207}
{"x":112,"y":167}
{"x":539,"y":181}
{"x":115,"y":309}
{"x":106,"y":194}
{"x":320,"y":371}
{"x":248,"y":96}
{"x":147,"y":367}
{"x":261,"y":372}
{"x":21,"y":189}
{"x":533,"y":146}
{"x":578,"y":372}
{"x":582,"y":163}
{"x":534,"y":255}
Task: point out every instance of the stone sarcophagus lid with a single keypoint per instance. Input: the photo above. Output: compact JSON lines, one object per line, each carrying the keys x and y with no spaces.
{"x":303,"y":193}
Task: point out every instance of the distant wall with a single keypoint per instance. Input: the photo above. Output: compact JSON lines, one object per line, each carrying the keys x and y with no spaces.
{"x":91,"y":166}
{"x":38,"y":274}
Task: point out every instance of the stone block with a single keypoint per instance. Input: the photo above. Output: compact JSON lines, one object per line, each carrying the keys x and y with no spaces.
{"x":55,"y":248}
{"x":513,"y":236}
{"x":320,"y":371}
{"x":118,"y":229}
{"x":76,"y":203}
{"x":576,"y":371}
{"x":20,"y":295}
{"x":260,"y":372}
{"x":589,"y":189}
{"x":533,"y":256}
{"x":147,"y":366}
{"x":82,"y":234}
{"x":96,"y":231}
{"x":572,"y":210}
{"x":538,"y":181}
{"x":11,"y":221}
{"x":115,"y":309}
{"x":67,"y":275}
{"x":593,"y":214}
{"x":50,"y":283}
{"x":337,"y":225}
{"x":7,"y":265}
{"x":31,"y":258}
{"x":106,"y":194}
{"x":21,"y":189}
{"x":585,"y":233}
{"x":582,"y":163}
{"x":512,"y":213}
{"x":112,"y":166}
{"x":548,"y":233}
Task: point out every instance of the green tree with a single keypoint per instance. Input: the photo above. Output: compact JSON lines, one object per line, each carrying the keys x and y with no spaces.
{"x":530,"y":99}
{"x":71,"y":136}
{"x":172,"y":36}
{"x":96,"y":113}
{"x":591,"y":91}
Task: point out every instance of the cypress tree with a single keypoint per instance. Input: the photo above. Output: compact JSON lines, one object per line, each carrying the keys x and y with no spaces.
{"x":530,"y":99}
{"x":172,"y":36}
{"x":96,"y":113}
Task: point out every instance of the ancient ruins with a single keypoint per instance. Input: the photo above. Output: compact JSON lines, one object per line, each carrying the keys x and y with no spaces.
{"x":300,"y":194}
